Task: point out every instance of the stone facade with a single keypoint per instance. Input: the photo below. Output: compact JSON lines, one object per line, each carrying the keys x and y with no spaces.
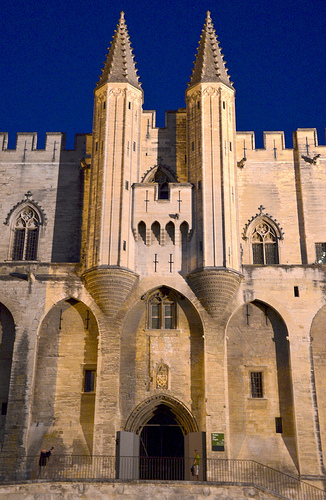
{"x":165,"y":275}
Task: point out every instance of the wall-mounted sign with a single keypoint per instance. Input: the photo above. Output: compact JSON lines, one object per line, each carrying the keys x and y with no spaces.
{"x":217,"y":441}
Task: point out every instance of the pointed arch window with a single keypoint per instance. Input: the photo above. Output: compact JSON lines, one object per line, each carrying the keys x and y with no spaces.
{"x":264,"y":244}
{"x":163,"y":185}
{"x":161,"y":311}
{"x":26,"y":233}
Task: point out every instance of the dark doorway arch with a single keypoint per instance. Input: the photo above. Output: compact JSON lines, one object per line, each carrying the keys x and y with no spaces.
{"x":161,"y":423}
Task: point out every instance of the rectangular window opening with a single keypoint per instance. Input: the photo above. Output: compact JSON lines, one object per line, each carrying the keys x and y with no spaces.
{"x":296,"y":291}
{"x":124,"y":245}
{"x":256,"y":382}
{"x":168,"y":316}
{"x":155,"y":316}
{"x":89,"y":380}
{"x":223,"y":104}
{"x":134,"y":146}
{"x":127,"y":185}
{"x":4,"y":408}
{"x":278,"y":425}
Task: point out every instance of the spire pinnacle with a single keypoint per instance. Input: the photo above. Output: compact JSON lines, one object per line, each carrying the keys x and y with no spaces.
{"x":209,"y":65}
{"x":120,"y":65}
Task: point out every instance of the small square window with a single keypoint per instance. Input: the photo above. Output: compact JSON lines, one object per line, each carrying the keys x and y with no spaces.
{"x":256,"y":382}
{"x":89,"y":380}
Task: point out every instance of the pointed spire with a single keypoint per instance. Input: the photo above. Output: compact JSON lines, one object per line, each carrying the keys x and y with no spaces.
{"x":209,"y":65}
{"x":120,"y":65}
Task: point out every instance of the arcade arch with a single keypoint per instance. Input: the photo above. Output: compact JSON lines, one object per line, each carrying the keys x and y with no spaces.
{"x":65,"y":380}
{"x":260,"y":386}
{"x":7,"y":340}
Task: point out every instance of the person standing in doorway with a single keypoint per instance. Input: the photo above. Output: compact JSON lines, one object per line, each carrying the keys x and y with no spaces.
{"x":196,"y":464}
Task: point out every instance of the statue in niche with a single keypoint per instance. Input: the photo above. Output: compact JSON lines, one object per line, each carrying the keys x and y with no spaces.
{"x":162,"y":376}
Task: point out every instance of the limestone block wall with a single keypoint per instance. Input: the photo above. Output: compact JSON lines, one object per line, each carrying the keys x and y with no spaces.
{"x":53,"y":183}
{"x":144,"y":350}
{"x":311,"y":184}
{"x":267,"y":179}
{"x":28,"y":295}
{"x":164,"y":145}
{"x":297,"y":309}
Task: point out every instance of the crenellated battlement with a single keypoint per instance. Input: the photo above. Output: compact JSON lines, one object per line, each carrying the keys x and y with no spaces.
{"x":26,"y":147}
{"x":304,"y":139}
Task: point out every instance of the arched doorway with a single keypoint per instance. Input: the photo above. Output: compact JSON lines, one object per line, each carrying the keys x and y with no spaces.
{"x":163,"y":426}
{"x":162,"y":446}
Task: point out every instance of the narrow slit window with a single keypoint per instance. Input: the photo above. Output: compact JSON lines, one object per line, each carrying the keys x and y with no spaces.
{"x":89,"y":380}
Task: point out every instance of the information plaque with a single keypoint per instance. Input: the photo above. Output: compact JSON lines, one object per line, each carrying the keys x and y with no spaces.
{"x":217,"y":441}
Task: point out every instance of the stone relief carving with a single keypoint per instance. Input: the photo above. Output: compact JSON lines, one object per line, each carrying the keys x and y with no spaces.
{"x":162,"y":376}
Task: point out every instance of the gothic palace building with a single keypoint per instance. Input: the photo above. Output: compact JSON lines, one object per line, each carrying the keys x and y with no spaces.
{"x":163,"y":289}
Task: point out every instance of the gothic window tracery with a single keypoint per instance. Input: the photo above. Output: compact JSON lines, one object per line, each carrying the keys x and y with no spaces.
{"x":264,"y":244}
{"x":161,"y":311}
{"x":26,"y":233}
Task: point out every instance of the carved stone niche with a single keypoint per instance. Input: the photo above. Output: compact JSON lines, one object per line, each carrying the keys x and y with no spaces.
{"x":162,"y":377}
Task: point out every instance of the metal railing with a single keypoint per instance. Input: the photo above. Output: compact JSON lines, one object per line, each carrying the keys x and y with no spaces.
{"x":107,"y":468}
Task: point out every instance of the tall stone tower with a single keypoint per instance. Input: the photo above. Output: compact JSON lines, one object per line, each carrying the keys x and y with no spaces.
{"x":109,"y":259}
{"x":211,"y":138}
{"x":115,"y":159}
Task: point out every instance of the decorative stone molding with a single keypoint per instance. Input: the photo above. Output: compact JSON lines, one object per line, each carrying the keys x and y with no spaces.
{"x":145,"y":411}
{"x":211,"y":91}
{"x":263,"y":216}
{"x":162,"y":377}
{"x":27,"y":202}
{"x":150,"y":173}
{"x":117,"y":92}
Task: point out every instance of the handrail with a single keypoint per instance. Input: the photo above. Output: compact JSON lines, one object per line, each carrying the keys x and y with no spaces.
{"x":107,"y":468}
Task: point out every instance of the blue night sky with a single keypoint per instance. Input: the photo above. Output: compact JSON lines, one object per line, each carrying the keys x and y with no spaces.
{"x":52,"y":54}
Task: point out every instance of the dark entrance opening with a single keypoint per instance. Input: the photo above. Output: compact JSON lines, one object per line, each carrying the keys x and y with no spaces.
{"x":162,"y":447}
